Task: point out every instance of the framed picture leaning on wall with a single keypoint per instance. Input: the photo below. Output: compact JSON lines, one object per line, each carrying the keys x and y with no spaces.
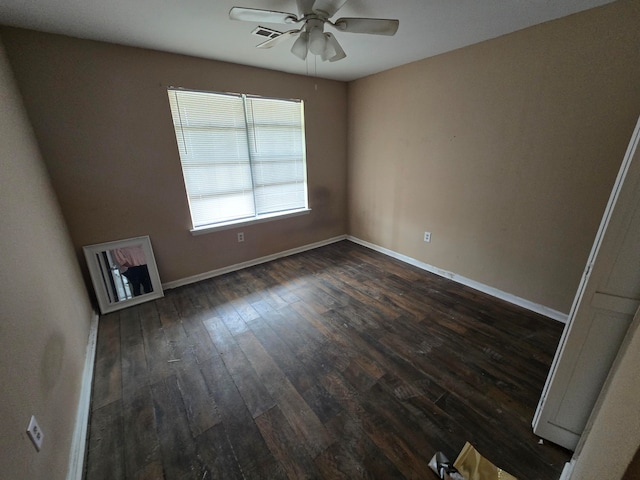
{"x":123,"y":273}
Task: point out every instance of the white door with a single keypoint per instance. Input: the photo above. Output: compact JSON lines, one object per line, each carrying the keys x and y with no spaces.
{"x":606,"y":301}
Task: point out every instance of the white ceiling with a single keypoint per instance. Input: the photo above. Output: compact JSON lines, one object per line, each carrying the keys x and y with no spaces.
{"x":202,"y":28}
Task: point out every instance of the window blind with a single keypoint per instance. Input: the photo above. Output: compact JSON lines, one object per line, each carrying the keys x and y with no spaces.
{"x":242,"y":156}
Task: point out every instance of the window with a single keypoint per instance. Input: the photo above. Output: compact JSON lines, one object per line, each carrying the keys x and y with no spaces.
{"x":242,"y":156}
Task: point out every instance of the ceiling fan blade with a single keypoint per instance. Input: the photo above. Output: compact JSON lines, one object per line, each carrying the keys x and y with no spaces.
{"x":373,"y":26}
{"x":305,"y":7}
{"x":333,"y":51}
{"x":272,"y":42}
{"x":300,"y":47}
{"x":328,"y":6}
{"x":261,"y":16}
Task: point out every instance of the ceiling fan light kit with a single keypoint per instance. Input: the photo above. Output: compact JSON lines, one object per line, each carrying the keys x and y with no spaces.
{"x":314,"y":14}
{"x":317,"y":41}
{"x":301,"y":46}
{"x":333,"y":51}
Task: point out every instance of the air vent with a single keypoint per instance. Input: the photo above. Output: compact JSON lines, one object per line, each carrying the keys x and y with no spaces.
{"x":265,"y":32}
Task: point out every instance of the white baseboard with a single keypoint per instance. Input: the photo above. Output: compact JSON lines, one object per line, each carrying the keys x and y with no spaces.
{"x":567,"y":470}
{"x":521,"y":302}
{"x":250,"y":263}
{"x":79,"y":440}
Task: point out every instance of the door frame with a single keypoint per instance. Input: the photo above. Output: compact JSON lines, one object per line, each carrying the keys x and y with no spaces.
{"x":541,"y":420}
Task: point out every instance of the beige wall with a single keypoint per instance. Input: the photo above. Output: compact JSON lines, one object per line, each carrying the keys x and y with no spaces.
{"x":101,"y":116}
{"x":45,"y":308}
{"x":506,"y":151}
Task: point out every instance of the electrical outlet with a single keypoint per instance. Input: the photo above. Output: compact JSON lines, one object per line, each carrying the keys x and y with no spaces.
{"x":35,"y":434}
{"x":240,"y":237}
{"x":427,"y":237}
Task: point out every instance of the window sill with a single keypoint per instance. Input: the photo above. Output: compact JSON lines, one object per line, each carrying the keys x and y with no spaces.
{"x":246,"y":222}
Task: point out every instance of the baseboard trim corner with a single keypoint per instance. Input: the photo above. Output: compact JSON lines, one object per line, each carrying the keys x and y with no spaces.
{"x":567,"y":470}
{"x":250,"y":263}
{"x":79,"y":440}
{"x":508,"y":297}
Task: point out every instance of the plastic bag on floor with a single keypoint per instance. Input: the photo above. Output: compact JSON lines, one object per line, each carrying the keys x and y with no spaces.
{"x":444,"y":468}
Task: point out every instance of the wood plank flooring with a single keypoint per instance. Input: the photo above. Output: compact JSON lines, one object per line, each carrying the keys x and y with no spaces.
{"x":339,"y":362}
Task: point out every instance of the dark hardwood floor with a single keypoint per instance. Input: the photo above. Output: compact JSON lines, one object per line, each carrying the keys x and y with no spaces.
{"x":339,"y":362}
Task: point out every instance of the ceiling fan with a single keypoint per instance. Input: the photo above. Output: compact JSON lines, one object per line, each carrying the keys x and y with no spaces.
{"x":313,"y":15}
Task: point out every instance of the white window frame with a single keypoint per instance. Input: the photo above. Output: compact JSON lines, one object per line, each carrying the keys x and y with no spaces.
{"x":256,"y":170}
